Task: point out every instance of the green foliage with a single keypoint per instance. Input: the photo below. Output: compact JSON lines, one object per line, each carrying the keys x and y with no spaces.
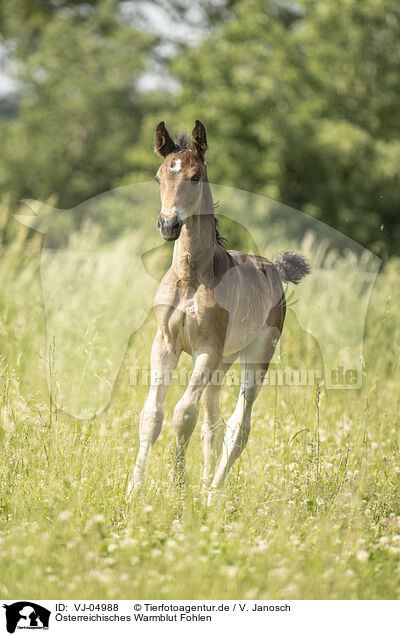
{"x":300,"y":101}
{"x":304,"y":110}
{"x":79,"y":109}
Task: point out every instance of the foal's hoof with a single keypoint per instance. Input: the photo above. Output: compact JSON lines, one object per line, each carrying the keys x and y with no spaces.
{"x":211,"y":497}
{"x":130,"y":490}
{"x":134,"y":487}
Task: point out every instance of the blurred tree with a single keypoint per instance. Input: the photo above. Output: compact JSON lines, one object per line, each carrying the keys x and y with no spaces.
{"x":79,"y":106}
{"x":300,"y":100}
{"x":22,"y":21}
{"x":301,"y":104}
{"x":87,"y":73}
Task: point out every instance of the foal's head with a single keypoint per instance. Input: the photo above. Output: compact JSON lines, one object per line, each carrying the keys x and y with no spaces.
{"x":181,"y":177}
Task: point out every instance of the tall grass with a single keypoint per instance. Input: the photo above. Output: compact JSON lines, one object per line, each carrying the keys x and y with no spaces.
{"x":312,"y":511}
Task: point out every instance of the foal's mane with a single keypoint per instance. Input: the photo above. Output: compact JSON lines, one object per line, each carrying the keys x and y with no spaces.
{"x":221,"y":240}
{"x":182,"y":140}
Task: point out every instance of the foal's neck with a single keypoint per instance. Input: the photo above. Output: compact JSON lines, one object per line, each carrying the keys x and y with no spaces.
{"x":194,"y":250}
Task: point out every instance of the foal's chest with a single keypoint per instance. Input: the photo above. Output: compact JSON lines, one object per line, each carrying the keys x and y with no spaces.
{"x":195,"y":318}
{"x":192,"y":309}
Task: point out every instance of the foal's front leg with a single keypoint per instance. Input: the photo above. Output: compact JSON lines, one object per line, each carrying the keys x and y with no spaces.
{"x":187,"y":409}
{"x":164,"y":359}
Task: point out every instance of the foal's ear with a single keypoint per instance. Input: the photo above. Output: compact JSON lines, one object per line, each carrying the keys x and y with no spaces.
{"x":164,"y":144}
{"x":199,"y":140}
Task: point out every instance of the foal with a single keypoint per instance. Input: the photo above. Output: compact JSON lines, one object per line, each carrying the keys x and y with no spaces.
{"x":215,"y":305}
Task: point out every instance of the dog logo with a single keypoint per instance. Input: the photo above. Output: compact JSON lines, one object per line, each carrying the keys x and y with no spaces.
{"x":26,"y":615}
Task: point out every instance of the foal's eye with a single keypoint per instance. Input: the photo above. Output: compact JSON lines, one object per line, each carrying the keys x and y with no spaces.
{"x":157,"y":179}
{"x":196,"y":177}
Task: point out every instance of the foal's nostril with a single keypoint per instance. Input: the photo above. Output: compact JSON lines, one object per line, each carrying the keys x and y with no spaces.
{"x":175,"y":225}
{"x":169,"y":228}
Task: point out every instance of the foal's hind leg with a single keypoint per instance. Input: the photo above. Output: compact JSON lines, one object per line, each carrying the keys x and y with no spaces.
{"x":253,"y":373}
{"x":212,"y":431}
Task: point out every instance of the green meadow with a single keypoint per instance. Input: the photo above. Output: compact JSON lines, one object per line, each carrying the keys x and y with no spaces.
{"x":311,"y":510}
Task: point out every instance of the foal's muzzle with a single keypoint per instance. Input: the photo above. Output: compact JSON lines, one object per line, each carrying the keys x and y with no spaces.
{"x":169,"y":229}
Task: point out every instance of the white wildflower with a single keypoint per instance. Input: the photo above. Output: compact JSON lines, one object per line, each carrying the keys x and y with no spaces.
{"x":362,"y":556}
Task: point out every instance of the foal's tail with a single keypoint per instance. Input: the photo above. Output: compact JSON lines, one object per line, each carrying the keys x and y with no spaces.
{"x":292,"y":267}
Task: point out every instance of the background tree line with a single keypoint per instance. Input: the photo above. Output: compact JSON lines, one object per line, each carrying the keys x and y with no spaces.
{"x":300,"y":100}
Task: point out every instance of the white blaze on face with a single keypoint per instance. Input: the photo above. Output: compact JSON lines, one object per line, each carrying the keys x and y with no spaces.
{"x":175,"y":165}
